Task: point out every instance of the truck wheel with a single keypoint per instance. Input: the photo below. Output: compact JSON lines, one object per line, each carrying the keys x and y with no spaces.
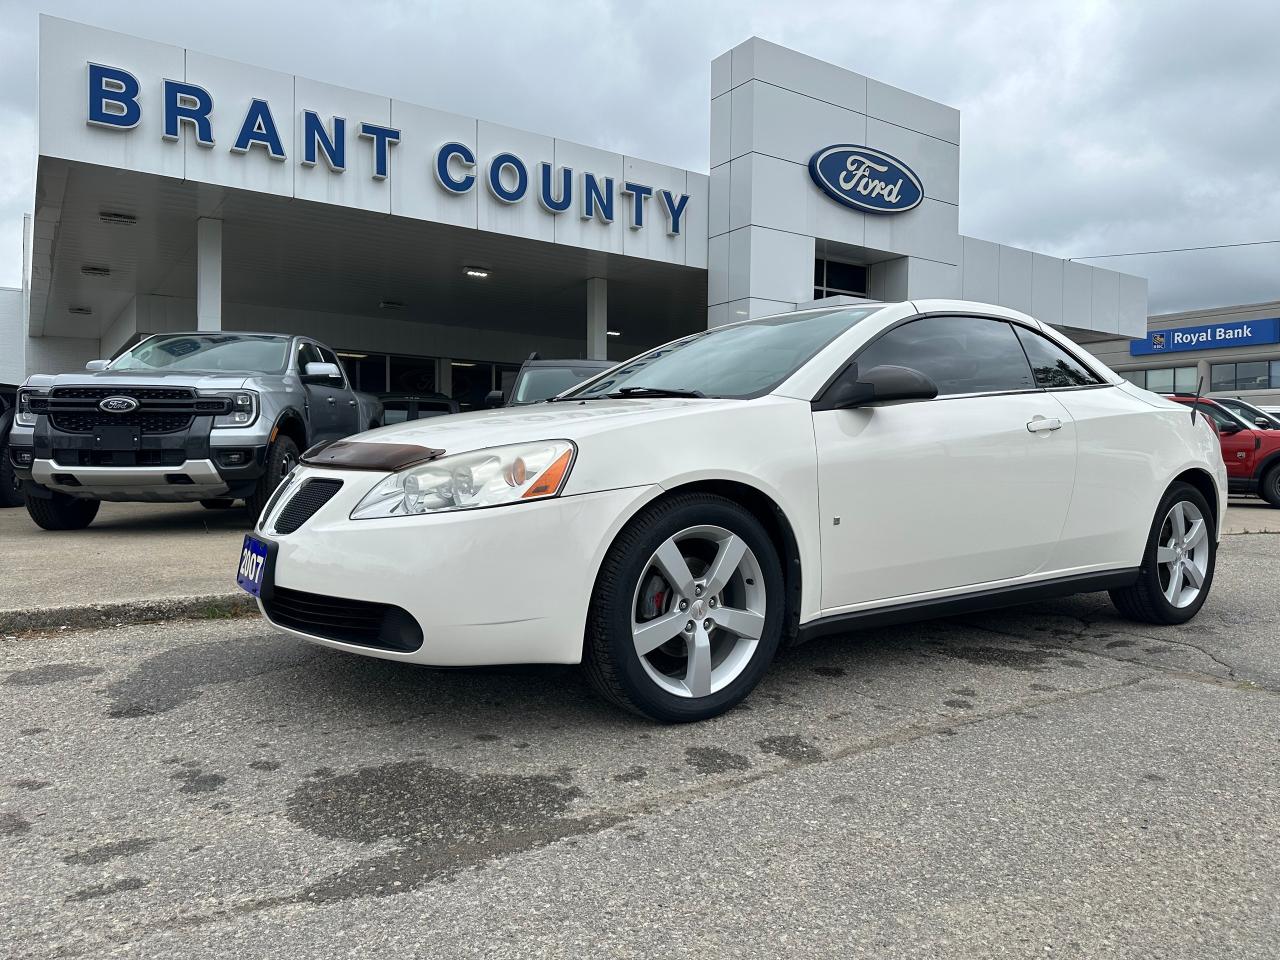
{"x":222,"y":503}
{"x":281,"y":458}
{"x":1269,"y":488}
{"x":10,"y":485}
{"x":61,"y":512}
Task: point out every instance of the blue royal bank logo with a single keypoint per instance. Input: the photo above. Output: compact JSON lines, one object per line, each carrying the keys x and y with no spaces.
{"x":866,"y":179}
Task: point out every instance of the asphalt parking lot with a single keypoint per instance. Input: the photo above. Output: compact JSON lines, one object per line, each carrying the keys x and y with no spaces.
{"x":1045,"y":781}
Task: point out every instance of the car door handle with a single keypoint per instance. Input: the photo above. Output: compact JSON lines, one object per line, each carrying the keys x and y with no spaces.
{"x":351,"y":403}
{"x":331,"y":401}
{"x":1041,"y":424}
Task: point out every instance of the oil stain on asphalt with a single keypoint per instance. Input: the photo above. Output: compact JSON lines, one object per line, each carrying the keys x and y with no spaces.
{"x":50,"y":673}
{"x":439,"y":820}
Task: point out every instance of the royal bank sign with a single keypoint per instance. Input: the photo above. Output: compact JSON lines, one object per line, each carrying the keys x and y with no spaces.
{"x":115,"y":102}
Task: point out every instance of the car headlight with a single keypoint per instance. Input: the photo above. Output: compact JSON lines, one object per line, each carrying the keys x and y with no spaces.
{"x":24,"y":416}
{"x":244,"y":407}
{"x":467,"y":481}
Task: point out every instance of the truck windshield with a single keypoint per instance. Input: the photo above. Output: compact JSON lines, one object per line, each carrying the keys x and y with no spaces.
{"x":539,"y":383}
{"x":207,"y":351}
{"x":740,"y":361}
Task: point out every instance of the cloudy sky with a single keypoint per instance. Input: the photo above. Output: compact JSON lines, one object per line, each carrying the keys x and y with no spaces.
{"x":1087,"y":127}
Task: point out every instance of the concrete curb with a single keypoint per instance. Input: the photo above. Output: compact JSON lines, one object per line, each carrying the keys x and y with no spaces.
{"x":93,"y":615}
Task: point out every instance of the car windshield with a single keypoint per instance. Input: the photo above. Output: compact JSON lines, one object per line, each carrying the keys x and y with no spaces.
{"x":539,"y":383}
{"x":739,"y":361}
{"x":207,"y":351}
{"x":1252,"y":414}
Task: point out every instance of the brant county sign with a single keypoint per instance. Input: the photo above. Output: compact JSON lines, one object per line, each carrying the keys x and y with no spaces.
{"x":865,"y":179}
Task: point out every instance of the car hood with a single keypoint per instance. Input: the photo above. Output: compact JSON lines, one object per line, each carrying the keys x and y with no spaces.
{"x":138,"y":378}
{"x":564,"y":420}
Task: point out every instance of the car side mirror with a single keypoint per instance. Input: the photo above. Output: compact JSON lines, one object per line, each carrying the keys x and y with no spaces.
{"x":1261,"y":422}
{"x":1229,"y":428}
{"x":883,"y":384}
{"x":95,"y":365}
{"x":494,"y":399}
{"x":321,"y":373}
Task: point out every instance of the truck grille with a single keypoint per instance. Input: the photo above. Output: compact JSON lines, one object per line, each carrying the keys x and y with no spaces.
{"x":160,"y":409}
{"x":348,"y":621}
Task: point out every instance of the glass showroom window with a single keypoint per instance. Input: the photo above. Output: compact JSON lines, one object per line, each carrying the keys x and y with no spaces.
{"x":1250,"y":375}
{"x":1169,"y":379}
{"x":1137,"y":377}
{"x":832,"y":278}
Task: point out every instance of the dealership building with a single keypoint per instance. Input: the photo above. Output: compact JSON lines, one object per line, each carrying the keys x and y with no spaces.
{"x":177,"y":190}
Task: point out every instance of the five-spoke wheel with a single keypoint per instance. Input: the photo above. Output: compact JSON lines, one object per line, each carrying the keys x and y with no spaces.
{"x":1177,"y":567}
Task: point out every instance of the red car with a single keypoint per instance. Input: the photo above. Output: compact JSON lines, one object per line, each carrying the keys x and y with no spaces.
{"x":1252,"y":455}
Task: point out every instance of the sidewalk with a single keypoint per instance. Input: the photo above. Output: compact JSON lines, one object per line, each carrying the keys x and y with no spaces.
{"x":136,"y":561}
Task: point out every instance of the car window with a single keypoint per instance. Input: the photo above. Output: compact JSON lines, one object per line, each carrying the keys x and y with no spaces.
{"x":395,"y":411}
{"x":328,"y":356}
{"x":1052,"y":366}
{"x":1221,"y":416}
{"x":307,"y":353}
{"x":961,"y":354}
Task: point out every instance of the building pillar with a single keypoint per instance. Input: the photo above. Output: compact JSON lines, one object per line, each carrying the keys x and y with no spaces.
{"x":208,"y":274}
{"x":444,"y":377}
{"x":597,"y":318}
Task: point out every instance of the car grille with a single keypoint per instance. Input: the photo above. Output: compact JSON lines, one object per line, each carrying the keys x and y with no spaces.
{"x":360,"y":622}
{"x":311,"y":496}
{"x":160,"y":409}
{"x":129,"y":458}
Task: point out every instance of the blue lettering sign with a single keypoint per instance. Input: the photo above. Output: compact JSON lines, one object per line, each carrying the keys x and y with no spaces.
{"x":508,"y":161}
{"x":259,"y":127}
{"x":315,"y":136}
{"x":467,"y":160}
{"x":1208,"y":336}
{"x":383,"y":138}
{"x":638,"y":193}
{"x":187,"y":103}
{"x":674,"y":210}
{"x":865,"y":179}
{"x":597,"y":203}
{"x":546,"y":195}
{"x":113,"y":98}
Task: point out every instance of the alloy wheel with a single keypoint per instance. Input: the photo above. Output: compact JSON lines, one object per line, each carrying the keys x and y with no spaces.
{"x":1182,"y":553}
{"x":698,"y":611}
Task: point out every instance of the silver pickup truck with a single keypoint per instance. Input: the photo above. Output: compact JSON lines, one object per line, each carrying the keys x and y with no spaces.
{"x":208,"y":417}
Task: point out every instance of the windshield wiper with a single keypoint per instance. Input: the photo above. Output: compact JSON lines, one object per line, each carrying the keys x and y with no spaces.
{"x":656,"y":392}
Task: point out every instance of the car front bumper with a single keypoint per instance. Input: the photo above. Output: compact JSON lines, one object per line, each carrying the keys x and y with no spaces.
{"x":507,"y":584}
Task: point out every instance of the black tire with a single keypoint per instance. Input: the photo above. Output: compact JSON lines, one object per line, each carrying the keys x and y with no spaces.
{"x":610,"y":660}
{"x":10,"y":485}
{"x":222,"y":503}
{"x":282,"y":456}
{"x":1269,"y":486}
{"x":1145,"y":601}
{"x":61,"y":512}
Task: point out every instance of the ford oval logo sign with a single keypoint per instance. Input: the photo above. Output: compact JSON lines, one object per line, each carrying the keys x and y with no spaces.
{"x":118,"y":405}
{"x":865,"y":179}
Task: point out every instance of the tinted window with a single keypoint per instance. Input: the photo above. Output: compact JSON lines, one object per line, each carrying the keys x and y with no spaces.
{"x":395,"y":411}
{"x":1053,"y":366}
{"x":307,"y":353}
{"x":1221,"y":417}
{"x":328,"y":356}
{"x":539,"y":383}
{"x":961,"y":354}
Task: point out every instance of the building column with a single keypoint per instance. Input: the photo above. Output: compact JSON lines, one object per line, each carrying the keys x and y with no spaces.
{"x":208,"y":274}
{"x":444,"y":377}
{"x":597,"y":318}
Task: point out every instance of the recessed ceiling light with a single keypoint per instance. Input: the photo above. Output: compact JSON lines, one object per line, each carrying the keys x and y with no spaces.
{"x":352,"y":356}
{"x":478,"y":273}
{"x":460,"y":363}
{"x":390,"y":304}
{"x":92,"y":271}
{"x":124,"y":219}
{"x":80,"y":311}
{"x":614,"y":333}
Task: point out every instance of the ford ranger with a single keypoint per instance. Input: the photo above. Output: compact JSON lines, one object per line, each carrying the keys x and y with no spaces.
{"x":207,"y":417}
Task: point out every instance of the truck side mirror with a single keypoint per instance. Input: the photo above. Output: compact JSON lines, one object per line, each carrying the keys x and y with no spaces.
{"x":494,"y":399}
{"x":95,"y":365}
{"x":321,"y":373}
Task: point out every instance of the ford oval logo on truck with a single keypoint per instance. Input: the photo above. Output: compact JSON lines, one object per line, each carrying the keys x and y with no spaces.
{"x":865,"y":179}
{"x":118,"y":405}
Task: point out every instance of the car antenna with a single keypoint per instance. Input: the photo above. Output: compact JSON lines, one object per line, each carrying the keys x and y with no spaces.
{"x":1196,"y":401}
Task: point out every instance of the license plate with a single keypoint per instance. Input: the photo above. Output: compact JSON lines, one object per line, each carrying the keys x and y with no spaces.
{"x":253,"y":564}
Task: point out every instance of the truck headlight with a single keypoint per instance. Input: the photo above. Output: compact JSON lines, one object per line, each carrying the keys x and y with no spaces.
{"x":24,"y":416}
{"x":467,"y":481}
{"x":244,"y":407}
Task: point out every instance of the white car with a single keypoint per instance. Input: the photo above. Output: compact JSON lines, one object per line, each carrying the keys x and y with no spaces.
{"x":671,"y":522}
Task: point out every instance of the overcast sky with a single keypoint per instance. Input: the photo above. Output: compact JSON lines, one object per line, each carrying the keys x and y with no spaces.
{"x":1087,"y":127}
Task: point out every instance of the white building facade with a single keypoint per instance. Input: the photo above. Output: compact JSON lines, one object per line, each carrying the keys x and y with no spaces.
{"x":177,"y":190}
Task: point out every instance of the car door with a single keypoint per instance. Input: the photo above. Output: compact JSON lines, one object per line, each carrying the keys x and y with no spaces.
{"x":1239,"y":443}
{"x":346,"y":406}
{"x":969,"y":488}
{"x":322,"y":397}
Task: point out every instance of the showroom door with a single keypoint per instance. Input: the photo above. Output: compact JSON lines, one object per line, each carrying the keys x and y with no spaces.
{"x":970,"y":488}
